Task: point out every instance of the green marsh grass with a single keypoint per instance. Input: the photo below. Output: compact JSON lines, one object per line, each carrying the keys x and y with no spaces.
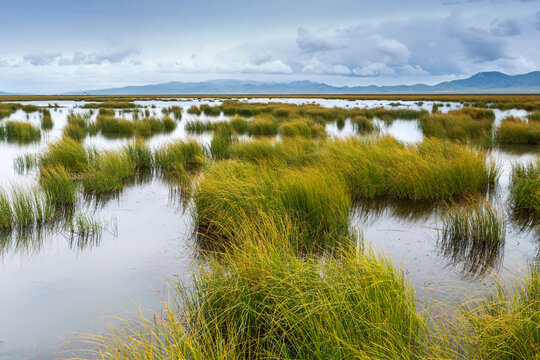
{"x":58,"y":185}
{"x":210,"y":110}
{"x":176,"y":112}
{"x":299,"y":127}
{"x":534,"y":116}
{"x":473,"y":236}
{"x":457,"y":125}
{"x":503,"y":323}
{"x":20,"y":131}
{"x":266,"y":303}
{"x":188,"y":153}
{"x":313,"y":201}
{"x":525,"y":188}
{"x":67,"y":153}
{"x":110,"y":105}
{"x":29,"y":108}
{"x":198,"y":126}
{"x":362,"y":124}
{"x":107,"y":172}
{"x":46,"y":120}
{"x":263,"y":125}
{"x":194,"y":110}
{"x":513,"y":130}
{"x":431,"y":170}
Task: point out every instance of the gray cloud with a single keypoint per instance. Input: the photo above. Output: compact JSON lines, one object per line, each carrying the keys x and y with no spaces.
{"x":42,"y":59}
{"x":112,"y":56}
{"x":478,"y":44}
{"x":507,"y":27}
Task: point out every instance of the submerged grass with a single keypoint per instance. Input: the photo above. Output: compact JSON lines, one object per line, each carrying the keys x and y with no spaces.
{"x":46,"y":120}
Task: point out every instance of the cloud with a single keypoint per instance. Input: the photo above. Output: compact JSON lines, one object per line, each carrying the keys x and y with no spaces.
{"x":478,"y":44}
{"x":537,"y":20}
{"x":111,"y":56}
{"x":350,"y":51}
{"x":42,"y":59}
{"x":507,"y":27}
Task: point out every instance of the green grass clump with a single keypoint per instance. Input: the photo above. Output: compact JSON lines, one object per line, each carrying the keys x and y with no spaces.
{"x":210,"y":110}
{"x":239,"y":124}
{"x":222,"y":140}
{"x":46,"y":120}
{"x":140,"y":154}
{"x":534,"y":116}
{"x":477,"y":223}
{"x":525,"y":187}
{"x":58,"y":185}
{"x":476,"y":113}
{"x":110,"y":125}
{"x":266,"y":303}
{"x":456,"y":126}
{"x":362,"y":124}
{"x":313,"y":201}
{"x":298,"y":127}
{"x":29,"y":108}
{"x":20,"y":131}
{"x":176,"y":111}
{"x":6,"y":213}
{"x":106,"y":112}
{"x":503,"y":324}
{"x":198,"y":126}
{"x":66,"y":153}
{"x":287,"y":152}
{"x":107,"y":172}
{"x":190,"y":154}
{"x":110,"y":105}
{"x":7,"y":109}
{"x":194,"y":110}
{"x":30,"y":208}
{"x":431,"y":170}
{"x":74,"y":131}
{"x":263,"y":126}
{"x":513,"y":130}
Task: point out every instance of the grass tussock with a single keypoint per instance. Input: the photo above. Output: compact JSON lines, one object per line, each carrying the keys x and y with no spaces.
{"x":58,"y":185}
{"x":513,"y":130}
{"x":263,"y":125}
{"x":190,"y":154}
{"x":525,"y":188}
{"x":194,"y":110}
{"x":46,"y":120}
{"x":176,"y":112}
{"x":313,"y":201}
{"x":431,"y":170}
{"x":267,"y":303}
{"x":66,"y":153}
{"x":107,"y":171}
{"x":458,"y":125}
{"x":110,"y":105}
{"x":503,"y":324}
{"x":20,"y":131}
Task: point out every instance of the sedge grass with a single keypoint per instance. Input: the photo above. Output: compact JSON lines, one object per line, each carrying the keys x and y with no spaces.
{"x":525,"y":188}
{"x":107,"y":172}
{"x":266,"y":303}
{"x":188,"y":153}
{"x":58,"y":184}
{"x":67,"y":153}
{"x":431,"y":170}
{"x":516,"y":131}
{"x":20,"y":131}
{"x":46,"y":120}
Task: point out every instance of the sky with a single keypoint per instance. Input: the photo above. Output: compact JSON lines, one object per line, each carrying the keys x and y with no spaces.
{"x":56,"y":46}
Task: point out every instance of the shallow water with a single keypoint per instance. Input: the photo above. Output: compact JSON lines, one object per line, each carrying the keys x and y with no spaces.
{"x":53,"y":287}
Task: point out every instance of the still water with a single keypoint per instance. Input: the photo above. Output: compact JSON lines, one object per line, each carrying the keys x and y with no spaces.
{"x":53,"y":288}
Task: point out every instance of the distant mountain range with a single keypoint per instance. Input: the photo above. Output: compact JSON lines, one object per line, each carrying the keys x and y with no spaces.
{"x":484,"y":82}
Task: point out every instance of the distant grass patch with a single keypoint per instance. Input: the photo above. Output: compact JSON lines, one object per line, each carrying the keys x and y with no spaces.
{"x":20,"y":131}
{"x":458,"y":125}
{"x":110,"y":105}
{"x":513,"y":130}
{"x":46,"y":120}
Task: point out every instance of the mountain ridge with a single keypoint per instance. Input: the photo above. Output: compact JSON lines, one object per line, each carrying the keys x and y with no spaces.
{"x":482,"y":82}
